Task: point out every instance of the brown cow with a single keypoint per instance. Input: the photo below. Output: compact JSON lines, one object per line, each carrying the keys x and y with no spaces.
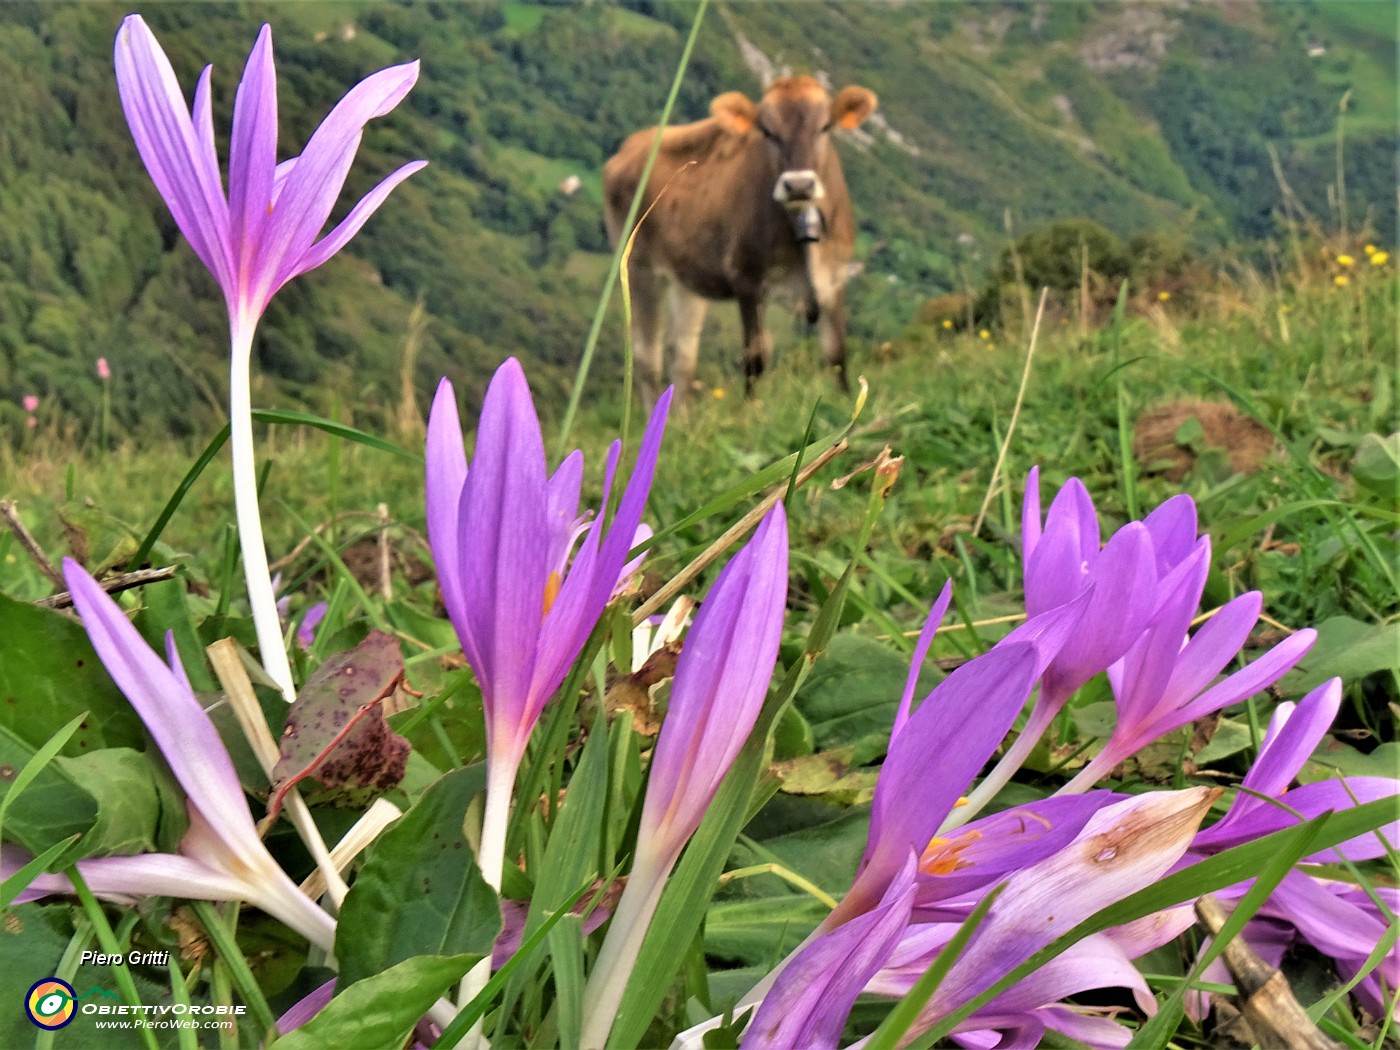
{"x":750,"y":199}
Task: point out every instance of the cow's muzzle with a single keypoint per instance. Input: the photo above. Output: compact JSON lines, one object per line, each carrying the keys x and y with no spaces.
{"x":798,"y":187}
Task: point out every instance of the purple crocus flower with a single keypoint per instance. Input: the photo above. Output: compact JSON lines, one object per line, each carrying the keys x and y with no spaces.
{"x":1122,"y":848}
{"x":222,"y":856}
{"x":1337,"y":918}
{"x":1061,"y":559}
{"x":266,"y":230}
{"x":260,"y":235}
{"x":501,"y":536}
{"x":811,"y":999}
{"x":1167,"y":680}
{"x":943,"y":744}
{"x":720,"y":684}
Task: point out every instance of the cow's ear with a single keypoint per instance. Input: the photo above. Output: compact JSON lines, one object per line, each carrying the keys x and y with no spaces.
{"x":851,"y":106}
{"x":735,"y":113}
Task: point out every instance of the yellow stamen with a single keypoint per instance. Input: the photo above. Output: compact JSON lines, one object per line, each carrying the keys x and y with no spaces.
{"x":551,"y":590}
{"x":941,"y":857}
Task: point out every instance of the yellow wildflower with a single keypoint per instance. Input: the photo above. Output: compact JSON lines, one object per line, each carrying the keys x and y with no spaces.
{"x":984,"y":334}
{"x":947,"y":323}
{"x":1341,"y":280}
{"x":1370,"y":249}
{"x":1379,"y":258}
{"x":1163,"y":296}
{"x":717,"y":393}
{"x":1345,"y":260}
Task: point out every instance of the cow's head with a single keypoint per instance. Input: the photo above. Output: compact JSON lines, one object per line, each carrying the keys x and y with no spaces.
{"x":794,"y":117}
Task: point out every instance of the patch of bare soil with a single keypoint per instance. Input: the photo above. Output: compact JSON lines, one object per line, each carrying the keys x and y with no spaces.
{"x":1158,"y":449}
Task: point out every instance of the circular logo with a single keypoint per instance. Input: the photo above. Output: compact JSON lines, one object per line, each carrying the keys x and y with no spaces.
{"x":49,"y":1003}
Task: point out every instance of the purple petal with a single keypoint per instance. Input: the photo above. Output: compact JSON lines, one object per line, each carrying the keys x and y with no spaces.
{"x":306,"y":1008}
{"x":979,"y":853}
{"x":1124,"y":576}
{"x":1097,"y":961}
{"x":1097,"y":1033}
{"x":253,"y":148}
{"x":562,"y":514}
{"x":129,"y":879}
{"x":179,"y":158}
{"x":314,"y":184}
{"x":1330,"y":924}
{"x":186,"y":737}
{"x":346,"y":229}
{"x":1213,"y":646}
{"x":1123,"y":848}
{"x":446,"y":475}
{"x":1059,"y":567}
{"x":1310,"y":800}
{"x":811,"y":999}
{"x":1173,"y":529}
{"x":306,"y":632}
{"x":720,"y":684}
{"x":935,"y":617}
{"x":1295,"y":731}
{"x":502,"y":537}
{"x":1244,"y":683}
{"x":1140,"y":679}
{"x":950,"y":735}
{"x":599,"y":562}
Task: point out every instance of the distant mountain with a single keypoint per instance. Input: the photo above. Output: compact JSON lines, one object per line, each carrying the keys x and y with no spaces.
{"x":1143,"y":116}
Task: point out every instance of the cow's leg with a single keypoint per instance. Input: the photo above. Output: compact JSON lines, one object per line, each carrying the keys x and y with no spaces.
{"x":830,"y":292}
{"x":687,"y":319}
{"x":645,"y":287}
{"x":757,"y":346}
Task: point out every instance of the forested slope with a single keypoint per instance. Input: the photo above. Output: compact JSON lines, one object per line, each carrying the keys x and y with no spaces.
{"x":1142,"y":116}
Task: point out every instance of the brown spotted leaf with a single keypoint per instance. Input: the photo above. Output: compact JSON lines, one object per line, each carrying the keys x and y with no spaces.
{"x":336,"y":730}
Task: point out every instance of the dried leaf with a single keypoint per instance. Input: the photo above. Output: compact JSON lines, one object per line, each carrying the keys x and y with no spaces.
{"x":336,"y":730}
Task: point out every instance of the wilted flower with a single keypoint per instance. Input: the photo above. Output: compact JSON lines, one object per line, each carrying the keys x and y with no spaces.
{"x":719,"y":687}
{"x":221,"y":856}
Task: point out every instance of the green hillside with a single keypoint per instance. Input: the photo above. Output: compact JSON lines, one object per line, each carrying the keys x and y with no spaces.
{"x":1142,"y":116}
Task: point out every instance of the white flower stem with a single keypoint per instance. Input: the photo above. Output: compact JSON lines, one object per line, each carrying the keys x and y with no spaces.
{"x":1041,"y":716}
{"x":608,"y":981}
{"x":261,"y":597}
{"x":490,"y":858}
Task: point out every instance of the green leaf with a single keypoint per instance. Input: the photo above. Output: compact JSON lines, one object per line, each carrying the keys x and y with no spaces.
{"x":760,"y":931}
{"x":854,"y":690}
{"x":167,"y":609}
{"x":50,"y":673}
{"x":1333,"y":757}
{"x":1377,"y":464}
{"x":382,"y":1009}
{"x":128,"y":800}
{"x":1231,"y":737}
{"x":52,"y":807}
{"x":420,"y":892}
{"x":1346,"y":649}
